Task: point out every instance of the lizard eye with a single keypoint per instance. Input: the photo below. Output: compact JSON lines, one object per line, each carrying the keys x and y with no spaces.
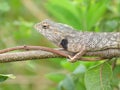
{"x":45,"y":26}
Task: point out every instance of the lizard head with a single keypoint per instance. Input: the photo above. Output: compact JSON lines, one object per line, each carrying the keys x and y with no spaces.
{"x":53,"y":31}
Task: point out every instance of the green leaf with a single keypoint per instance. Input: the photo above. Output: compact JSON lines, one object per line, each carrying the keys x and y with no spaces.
{"x":71,"y":14}
{"x":95,"y":12}
{"x":67,"y":84}
{"x":80,"y":69}
{"x":116,"y":76}
{"x":98,"y":77}
{"x":69,"y":66}
{"x":24,"y":30}
{"x":83,"y":14}
{"x":56,"y":77}
{"x":80,"y":86}
{"x":4,"y":77}
{"x":4,"y":7}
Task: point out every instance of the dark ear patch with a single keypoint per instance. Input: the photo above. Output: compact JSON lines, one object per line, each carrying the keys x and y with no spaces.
{"x":64,"y":43}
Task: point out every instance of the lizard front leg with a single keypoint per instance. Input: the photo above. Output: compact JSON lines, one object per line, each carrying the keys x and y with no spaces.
{"x":77,"y":55}
{"x":81,"y":51}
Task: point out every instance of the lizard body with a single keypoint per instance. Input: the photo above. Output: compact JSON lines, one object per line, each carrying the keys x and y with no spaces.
{"x":77,"y":42}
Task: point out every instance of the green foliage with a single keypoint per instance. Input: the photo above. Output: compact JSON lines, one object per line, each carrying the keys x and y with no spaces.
{"x":67,"y":84}
{"x":25,"y":27}
{"x":85,"y":14}
{"x":99,"y":77}
{"x":4,"y":77}
{"x":74,"y":80}
{"x":88,"y":15}
{"x":81,"y":14}
{"x":116,"y":77}
{"x":4,"y":7}
{"x":16,"y":22}
{"x":69,"y":66}
{"x":56,"y":77}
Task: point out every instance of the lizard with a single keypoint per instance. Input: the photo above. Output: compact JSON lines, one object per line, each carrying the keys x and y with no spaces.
{"x":77,"y":42}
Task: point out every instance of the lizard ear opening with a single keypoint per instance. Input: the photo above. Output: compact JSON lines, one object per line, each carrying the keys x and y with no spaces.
{"x":64,"y":43}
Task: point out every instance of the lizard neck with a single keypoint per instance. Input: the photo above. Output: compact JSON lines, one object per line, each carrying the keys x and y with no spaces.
{"x":53,"y":37}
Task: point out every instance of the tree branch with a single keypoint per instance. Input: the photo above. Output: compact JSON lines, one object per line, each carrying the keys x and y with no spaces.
{"x":29,"y":55}
{"x":26,"y":55}
{"x":44,"y":52}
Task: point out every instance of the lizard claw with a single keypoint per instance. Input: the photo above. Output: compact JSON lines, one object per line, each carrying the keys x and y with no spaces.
{"x":71,"y":59}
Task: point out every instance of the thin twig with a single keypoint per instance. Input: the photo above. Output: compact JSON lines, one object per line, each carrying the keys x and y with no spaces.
{"x":25,"y":47}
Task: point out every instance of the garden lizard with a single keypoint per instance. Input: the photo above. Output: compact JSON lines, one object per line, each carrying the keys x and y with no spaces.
{"x":77,"y":42}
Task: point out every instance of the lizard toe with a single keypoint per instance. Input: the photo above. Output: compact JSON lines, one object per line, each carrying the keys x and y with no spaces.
{"x":71,"y":59}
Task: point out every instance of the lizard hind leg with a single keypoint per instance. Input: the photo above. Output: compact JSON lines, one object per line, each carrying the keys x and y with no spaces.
{"x":77,"y":55}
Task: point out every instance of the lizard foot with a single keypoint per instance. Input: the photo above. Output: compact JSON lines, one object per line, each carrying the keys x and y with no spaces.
{"x":72,"y":59}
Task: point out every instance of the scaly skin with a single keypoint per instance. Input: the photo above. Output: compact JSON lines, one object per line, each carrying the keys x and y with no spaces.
{"x":77,"y":42}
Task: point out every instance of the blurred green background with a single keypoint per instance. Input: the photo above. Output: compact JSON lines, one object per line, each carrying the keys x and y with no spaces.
{"x":17,"y":18}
